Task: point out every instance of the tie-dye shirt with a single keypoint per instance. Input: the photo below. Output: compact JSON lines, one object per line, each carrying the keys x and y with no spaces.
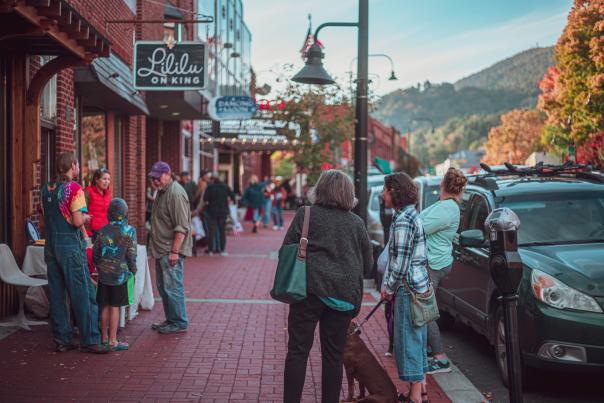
{"x":71,"y":198}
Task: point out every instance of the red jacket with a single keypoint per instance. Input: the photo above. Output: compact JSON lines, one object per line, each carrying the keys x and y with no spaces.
{"x":98,"y":204}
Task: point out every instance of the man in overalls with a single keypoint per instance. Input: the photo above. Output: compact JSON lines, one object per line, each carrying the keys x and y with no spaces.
{"x":65,"y":256}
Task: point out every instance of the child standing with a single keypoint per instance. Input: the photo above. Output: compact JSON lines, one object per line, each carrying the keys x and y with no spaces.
{"x":114,"y":255}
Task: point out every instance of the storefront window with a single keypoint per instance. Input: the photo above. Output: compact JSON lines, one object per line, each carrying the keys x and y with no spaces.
{"x":94,"y":144}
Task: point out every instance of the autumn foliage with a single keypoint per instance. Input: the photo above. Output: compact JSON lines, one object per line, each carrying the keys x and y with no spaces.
{"x":518,"y":135}
{"x":573,"y":91}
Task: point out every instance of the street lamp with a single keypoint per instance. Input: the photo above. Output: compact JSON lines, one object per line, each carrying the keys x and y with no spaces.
{"x":314,"y":73}
{"x":392,"y":75}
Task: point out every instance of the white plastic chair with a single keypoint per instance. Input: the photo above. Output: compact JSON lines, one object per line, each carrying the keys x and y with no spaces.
{"x":11,"y":274}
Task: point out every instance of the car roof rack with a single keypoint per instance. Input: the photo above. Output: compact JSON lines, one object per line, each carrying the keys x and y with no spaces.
{"x":489,"y":179}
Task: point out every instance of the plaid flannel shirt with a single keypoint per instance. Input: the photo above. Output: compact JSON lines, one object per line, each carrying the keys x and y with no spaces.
{"x":408,"y":253}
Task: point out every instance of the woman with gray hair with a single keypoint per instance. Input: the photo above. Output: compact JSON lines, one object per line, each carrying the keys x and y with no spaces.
{"x":338,"y":254}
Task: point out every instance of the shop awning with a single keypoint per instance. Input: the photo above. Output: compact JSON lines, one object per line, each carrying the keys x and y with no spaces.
{"x":107,"y":84}
{"x":176,"y":105}
{"x":49,"y":27}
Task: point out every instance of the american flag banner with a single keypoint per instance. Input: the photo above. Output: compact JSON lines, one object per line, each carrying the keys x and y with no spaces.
{"x":309,"y":40}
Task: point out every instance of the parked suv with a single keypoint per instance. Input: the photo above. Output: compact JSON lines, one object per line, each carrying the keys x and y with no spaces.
{"x":561,"y":243}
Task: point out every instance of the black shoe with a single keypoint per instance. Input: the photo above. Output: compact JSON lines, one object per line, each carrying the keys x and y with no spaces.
{"x":156,"y":326}
{"x":63,"y":348}
{"x":254,"y":229}
{"x":95,"y":349}
{"x":168,"y":329}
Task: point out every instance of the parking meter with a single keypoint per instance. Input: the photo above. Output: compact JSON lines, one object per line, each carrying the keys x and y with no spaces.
{"x":504,"y":261}
{"x":506,"y":270}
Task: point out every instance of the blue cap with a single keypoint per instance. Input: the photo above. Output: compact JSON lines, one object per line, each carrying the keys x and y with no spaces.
{"x":159,"y":168}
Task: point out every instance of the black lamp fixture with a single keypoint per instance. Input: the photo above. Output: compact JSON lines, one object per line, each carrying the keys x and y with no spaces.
{"x":392,"y":76}
{"x":313,"y":72}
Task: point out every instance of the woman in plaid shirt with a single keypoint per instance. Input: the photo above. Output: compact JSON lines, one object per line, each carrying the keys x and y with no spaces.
{"x":408,"y":263}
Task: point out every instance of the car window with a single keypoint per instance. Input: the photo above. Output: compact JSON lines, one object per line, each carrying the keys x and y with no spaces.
{"x":374,"y":203}
{"x":430,"y":195}
{"x":463,"y":208}
{"x":479,"y":213}
{"x":559,"y":217}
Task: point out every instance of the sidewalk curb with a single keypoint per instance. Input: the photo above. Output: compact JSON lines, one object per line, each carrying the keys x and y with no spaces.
{"x":454,"y":384}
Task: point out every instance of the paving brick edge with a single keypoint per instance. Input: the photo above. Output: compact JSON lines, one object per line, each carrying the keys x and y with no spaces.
{"x":454,"y":384}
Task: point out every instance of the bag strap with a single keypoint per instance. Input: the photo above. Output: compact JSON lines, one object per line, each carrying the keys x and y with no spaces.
{"x":304,"y":237}
{"x":414,"y":295}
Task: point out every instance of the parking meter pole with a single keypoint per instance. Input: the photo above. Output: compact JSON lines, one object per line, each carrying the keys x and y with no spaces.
{"x":512,"y":346}
{"x":506,"y":271}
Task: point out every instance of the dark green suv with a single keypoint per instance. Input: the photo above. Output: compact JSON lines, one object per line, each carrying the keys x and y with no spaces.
{"x":561,"y":242}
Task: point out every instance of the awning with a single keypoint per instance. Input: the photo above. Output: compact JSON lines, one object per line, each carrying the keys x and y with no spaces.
{"x":176,"y":105}
{"x":107,"y":84}
{"x":49,"y":27}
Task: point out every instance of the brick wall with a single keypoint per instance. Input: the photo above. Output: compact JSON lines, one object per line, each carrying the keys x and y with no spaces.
{"x":171,"y":144}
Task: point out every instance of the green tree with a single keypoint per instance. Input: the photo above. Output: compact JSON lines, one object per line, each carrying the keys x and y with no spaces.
{"x":573,"y":93}
{"x":316,"y":122}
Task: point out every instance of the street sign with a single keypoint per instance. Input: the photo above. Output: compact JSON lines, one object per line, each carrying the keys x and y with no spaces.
{"x":159,"y":68}
{"x":232,"y":108}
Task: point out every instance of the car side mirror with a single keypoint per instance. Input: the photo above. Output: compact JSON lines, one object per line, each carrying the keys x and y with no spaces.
{"x":471,"y":237}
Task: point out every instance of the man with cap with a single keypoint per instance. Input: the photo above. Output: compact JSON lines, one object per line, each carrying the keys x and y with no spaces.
{"x":170,"y":242}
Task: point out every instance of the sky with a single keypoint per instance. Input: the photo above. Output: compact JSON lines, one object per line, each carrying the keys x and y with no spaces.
{"x":435,"y":40}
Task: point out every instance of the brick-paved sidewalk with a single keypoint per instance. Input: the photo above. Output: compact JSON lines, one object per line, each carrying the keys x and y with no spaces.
{"x":234,"y":349}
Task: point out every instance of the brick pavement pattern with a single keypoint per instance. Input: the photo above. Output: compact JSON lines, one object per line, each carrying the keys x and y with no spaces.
{"x":234,"y":350}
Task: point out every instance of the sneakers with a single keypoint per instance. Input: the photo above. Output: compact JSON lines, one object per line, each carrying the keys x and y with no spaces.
{"x":224,"y":253}
{"x":119,"y":346}
{"x":168,"y":329}
{"x":438,"y":366}
{"x":95,"y":349}
{"x":388,"y":354}
{"x":275,"y":228}
{"x":63,"y":348}
{"x":156,"y":326}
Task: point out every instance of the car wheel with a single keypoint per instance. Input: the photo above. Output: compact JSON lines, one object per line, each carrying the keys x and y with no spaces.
{"x":501,"y":353}
{"x":446,"y":321}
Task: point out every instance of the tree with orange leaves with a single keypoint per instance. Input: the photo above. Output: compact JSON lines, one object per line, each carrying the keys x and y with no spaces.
{"x":573,"y":92}
{"x":518,"y":135}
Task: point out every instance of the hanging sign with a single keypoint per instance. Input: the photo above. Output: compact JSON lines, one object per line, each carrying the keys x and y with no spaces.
{"x":159,"y":68}
{"x":232,"y":108}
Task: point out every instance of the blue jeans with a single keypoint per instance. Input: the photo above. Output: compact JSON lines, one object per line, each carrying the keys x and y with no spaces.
{"x":267,"y":211}
{"x":68,"y":276}
{"x":278,"y":215}
{"x":409,"y":341}
{"x":172,"y":290}
{"x":256,"y":214}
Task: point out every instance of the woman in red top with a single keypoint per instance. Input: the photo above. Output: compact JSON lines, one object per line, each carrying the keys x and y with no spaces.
{"x":98,"y":197}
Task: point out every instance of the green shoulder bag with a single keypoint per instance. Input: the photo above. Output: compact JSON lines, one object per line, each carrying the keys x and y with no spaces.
{"x":290,"y":278}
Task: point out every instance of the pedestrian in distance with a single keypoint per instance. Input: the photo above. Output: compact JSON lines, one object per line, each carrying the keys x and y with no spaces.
{"x":267,"y":205}
{"x":253,"y":198}
{"x":216,"y":198}
{"x":64,"y":206}
{"x":98,"y":197}
{"x":338,"y":255}
{"x":114,"y":256}
{"x":407,"y":272}
{"x":170,"y":243}
{"x":190,"y":187}
{"x":440,"y":222}
{"x":278,"y":196}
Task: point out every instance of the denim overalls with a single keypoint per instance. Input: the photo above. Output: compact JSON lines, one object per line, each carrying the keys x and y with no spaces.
{"x":65,"y":257}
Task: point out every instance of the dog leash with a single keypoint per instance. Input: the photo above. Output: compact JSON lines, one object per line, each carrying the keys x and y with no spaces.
{"x":360,"y":325}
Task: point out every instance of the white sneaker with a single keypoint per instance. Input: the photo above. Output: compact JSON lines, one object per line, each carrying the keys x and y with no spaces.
{"x":275,"y":228}
{"x":210,"y":253}
{"x":224,"y":253}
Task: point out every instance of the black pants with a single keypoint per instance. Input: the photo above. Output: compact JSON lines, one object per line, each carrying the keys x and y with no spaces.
{"x":301,"y":324}
{"x":216,"y":224}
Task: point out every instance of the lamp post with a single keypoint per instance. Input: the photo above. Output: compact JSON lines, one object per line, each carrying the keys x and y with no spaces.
{"x":392,"y":77}
{"x":314,"y":73}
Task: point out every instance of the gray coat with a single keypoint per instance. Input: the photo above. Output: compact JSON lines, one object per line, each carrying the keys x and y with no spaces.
{"x":338,"y":254}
